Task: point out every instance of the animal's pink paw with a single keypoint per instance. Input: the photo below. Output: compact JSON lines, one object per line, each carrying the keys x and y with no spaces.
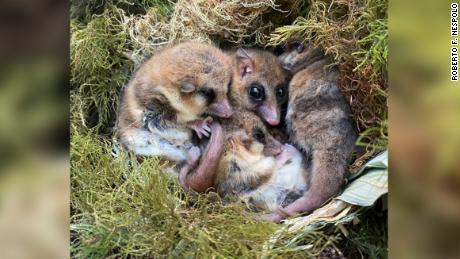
{"x":202,"y":127}
{"x":272,"y":217}
{"x":287,"y":154}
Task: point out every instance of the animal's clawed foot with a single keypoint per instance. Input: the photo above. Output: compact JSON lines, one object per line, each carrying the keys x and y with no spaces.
{"x":277,"y":216}
{"x":202,"y":127}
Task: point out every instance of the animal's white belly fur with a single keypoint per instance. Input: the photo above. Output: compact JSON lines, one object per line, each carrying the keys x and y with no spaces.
{"x":287,"y":179}
{"x":171,"y":144}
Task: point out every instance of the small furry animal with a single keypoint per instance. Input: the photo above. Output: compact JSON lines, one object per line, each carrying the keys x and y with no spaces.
{"x":243,"y":125}
{"x":257,"y":168}
{"x":164,"y":100}
{"x":259,"y":83}
{"x":319,"y":124}
{"x":249,"y":163}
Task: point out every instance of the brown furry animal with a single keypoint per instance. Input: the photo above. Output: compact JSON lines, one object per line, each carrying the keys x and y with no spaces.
{"x":319,"y":124}
{"x":167,"y":95}
{"x":244,"y":126}
{"x":253,"y":166}
{"x":257,"y":168}
{"x":259,"y":83}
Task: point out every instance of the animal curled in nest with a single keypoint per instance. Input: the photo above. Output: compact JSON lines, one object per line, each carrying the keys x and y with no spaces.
{"x":292,"y":179}
{"x":255,"y":167}
{"x":319,"y":124}
{"x":167,"y":100}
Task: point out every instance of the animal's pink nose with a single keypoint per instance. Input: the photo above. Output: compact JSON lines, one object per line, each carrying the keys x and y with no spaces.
{"x":221,"y":109}
{"x":270,"y":113}
{"x":273,"y":121}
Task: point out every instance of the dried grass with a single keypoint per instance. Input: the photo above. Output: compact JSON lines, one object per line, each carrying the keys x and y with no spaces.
{"x":230,"y":21}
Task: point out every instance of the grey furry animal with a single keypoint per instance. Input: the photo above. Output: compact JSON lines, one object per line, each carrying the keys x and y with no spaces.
{"x":319,"y":124}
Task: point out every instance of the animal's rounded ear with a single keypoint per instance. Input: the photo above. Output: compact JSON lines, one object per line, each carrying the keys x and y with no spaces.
{"x":296,"y":45}
{"x":245,"y":62}
{"x":187,"y":87}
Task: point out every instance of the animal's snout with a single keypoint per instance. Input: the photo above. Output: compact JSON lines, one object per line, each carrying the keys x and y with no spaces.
{"x":287,"y":66}
{"x":221,"y":109}
{"x":273,"y":148}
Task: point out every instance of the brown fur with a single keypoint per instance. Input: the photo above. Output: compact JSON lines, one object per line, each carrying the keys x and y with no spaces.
{"x":249,"y":164}
{"x":256,"y":168}
{"x":167,"y":93}
{"x":258,"y":67}
{"x":319,"y":124}
{"x":248,"y":158}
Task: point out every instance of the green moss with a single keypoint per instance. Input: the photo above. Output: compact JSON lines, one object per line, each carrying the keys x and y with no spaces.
{"x":83,"y":10}
{"x":98,"y":66}
{"x":122,"y":207}
{"x":374,"y":139}
{"x":368,"y":238}
{"x":372,"y":53}
{"x":164,"y":7}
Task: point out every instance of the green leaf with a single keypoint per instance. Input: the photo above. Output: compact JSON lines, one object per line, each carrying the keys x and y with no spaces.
{"x":371,"y":183}
{"x":380,"y":161}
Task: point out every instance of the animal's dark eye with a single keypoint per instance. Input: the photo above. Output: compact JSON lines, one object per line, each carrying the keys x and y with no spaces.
{"x":299,"y":47}
{"x":256,"y":92}
{"x":208,"y":93}
{"x":281,"y":93}
{"x":259,"y":135}
{"x":296,"y":45}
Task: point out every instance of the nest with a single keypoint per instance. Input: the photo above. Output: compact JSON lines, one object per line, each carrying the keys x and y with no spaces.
{"x":230,"y":21}
{"x":116,"y":213}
